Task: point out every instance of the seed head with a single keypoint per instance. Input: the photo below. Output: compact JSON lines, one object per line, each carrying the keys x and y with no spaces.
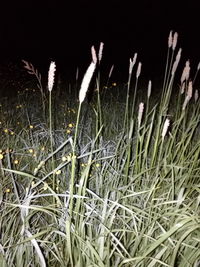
{"x":176,"y":62}
{"x":186,"y":72}
{"x":138,"y":70}
{"x":190,"y":87}
{"x":187,"y":99}
{"x":165,"y":128}
{"x":182,"y":88}
{"x":132,"y":63}
{"x":86,"y":81}
{"x":149,"y":89}
{"x":51,"y":75}
{"x":140,"y":112}
{"x":170,"y":39}
{"x":111,"y":70}
{"x":94,"y":55}
{"x":100,"y":51}
{"x":175,"y":39}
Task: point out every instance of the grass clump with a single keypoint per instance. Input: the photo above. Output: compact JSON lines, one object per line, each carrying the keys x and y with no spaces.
{"x":102,"y":182}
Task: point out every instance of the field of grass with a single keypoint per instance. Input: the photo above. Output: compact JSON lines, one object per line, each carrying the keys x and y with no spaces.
{"x":103,"y":176}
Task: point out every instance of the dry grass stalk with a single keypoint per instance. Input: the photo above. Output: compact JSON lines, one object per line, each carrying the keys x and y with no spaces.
{"x":187,"y":99}
{"x":77,"y":73}
{"x":196,"y":95}
{"x":111,"y":70}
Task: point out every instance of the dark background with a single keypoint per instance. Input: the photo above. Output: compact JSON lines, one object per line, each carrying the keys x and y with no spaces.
{"x":41,"y":31}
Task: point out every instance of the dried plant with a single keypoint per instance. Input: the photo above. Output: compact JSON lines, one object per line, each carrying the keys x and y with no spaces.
{"x":33,"y":71}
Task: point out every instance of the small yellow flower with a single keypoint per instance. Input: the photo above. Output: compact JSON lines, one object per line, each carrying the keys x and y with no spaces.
{"x":33,"y":183}
{"x":114,"y":84}
{"x":31,"y":151}
{"x":41,"y":164}
{"x":58,"y":172}
{"x":31,"y":126}
{"x":69,"y":157}
{"x":12,"y":133}
{"x":16,"y":161}
{"x":7,"y":190}
{"x":68,"y":131}
{"x":70,"y":125}
{"x":5,"y":130}
{"x":64,"y":158}
{"x":97,"y":165}
{"x":42,"y":148}
{"x":45,"y":186}
{"x":82,"y":164}
{"x":1,"y":156}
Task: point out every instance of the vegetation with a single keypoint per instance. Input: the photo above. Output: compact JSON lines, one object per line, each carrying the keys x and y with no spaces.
{"x":108,"y":180}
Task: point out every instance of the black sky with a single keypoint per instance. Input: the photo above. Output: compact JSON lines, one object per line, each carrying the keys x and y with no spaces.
{"x":65,"y":30}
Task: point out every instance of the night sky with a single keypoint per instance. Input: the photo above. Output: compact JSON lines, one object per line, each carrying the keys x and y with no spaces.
{"x":40,"y":31}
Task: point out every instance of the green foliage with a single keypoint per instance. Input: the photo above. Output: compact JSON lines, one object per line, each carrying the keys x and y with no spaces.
{"x":104,"y":186}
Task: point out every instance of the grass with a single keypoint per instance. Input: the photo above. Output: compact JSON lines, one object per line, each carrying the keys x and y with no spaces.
{"x":113,"y":181}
